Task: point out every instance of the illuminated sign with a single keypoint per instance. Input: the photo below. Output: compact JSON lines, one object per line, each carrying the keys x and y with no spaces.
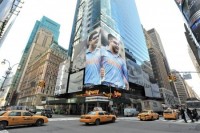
{"x":75,"y":82}
{"x":96,"y":98}
{"x":105,"y":60}
{"x":62,"y":78}
{"x":97,"y":93}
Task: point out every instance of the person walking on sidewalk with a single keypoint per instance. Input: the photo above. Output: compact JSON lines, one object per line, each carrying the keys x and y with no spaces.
{"x":182,"y":111}
{"x":189,"y":113}
{"x":195,"y":114}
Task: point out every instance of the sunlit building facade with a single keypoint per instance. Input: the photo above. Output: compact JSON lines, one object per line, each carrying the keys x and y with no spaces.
{"x":45,"y":24}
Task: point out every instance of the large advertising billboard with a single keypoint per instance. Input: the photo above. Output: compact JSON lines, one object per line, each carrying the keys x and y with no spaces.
{"x":62,"y":78}
{"x":5,"y":7}
{"x":196,"y":30}
{"x":75,"y":82}
{"x":105,"y":60}
{"x":191,"y":10}
{"x":99,"y":60}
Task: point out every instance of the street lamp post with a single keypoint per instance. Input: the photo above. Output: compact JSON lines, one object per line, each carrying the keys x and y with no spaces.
{"x":7,"y":73}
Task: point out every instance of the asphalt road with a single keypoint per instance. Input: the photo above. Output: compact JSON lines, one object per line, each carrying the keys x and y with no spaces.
{"x":122,"y":125}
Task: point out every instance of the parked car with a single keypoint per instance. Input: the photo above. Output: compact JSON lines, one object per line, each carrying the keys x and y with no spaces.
{"x":130,"y":112}
{"x":170,"y":114}
{"x":148,"y":115}
{"x":97,"y":117}
{"x":20,"y":117}
{"x":47,"y":112}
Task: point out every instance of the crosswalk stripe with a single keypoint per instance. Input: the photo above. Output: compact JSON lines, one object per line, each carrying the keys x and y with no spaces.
{"x":63,"y":119}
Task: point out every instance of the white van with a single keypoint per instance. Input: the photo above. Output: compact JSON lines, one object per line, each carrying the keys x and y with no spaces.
{"x":130,"y":112}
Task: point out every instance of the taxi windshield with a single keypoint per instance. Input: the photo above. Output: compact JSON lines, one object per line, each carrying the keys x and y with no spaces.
{"x":168,"y":111}
{"x":92,"y":113}
{"x":2,"y":112}
{"x":145,"y":111}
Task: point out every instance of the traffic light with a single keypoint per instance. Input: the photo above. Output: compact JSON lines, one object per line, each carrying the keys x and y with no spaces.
{"x":41,"y":83}
{"x":174,"y":78}
{"x":170,"y":78}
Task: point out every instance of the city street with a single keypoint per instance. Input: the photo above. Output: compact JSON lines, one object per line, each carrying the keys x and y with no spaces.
{"x":123,"y":124}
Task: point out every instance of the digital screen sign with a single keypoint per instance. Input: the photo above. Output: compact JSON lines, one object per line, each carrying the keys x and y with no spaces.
{"x":191,"y":9}
{"x":62,"y":78}
{"x":75,"y":82}
{"x":196,"y":30}
{"x":105,"y":60}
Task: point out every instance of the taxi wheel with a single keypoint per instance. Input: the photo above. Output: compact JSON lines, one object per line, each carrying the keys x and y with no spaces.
{"x":3,"y":124}
{"x":39,"y":122}
{"x":113,"y":119}
{"x":97,"y":122}
{"x":49,"y":116}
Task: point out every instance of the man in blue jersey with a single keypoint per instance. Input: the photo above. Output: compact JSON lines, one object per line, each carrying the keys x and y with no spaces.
{"x":114,"y":65}
{"x":93,"y":59}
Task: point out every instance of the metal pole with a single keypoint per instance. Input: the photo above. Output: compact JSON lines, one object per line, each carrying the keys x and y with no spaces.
{"x":7,"y":73}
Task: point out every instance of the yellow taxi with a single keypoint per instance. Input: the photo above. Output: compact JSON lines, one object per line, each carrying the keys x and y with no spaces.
{"x":148,"y":115}
{"x":170,"y":114}
{"x":20,"y":117}
{"x":97,"y":117}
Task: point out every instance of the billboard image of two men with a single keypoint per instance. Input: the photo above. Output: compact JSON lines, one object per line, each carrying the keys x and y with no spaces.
{"x":105,"y":61}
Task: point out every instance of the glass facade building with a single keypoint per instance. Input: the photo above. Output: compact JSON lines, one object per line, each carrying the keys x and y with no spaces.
{"x":107,"y":53}
{"x":120,"y":18}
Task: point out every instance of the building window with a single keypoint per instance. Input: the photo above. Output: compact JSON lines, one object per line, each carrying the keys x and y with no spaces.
{"x":44,"y":41}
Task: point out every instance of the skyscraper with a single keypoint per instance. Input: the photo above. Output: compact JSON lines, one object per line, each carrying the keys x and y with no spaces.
{"x":158,"y":59}
{"x":107,"y":49}
{"x":50,"y":31}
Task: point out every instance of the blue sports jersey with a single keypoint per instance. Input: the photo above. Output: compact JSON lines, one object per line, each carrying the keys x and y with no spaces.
{"x":92,"y":69}
{"x":115,"y":69}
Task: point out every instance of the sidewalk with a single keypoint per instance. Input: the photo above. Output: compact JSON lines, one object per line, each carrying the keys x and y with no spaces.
{"x":78,"y":116}
{"x":64,"y":116}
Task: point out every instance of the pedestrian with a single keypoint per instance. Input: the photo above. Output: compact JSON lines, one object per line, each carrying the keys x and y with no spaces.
{"x":189,"y":113}
{"x":195,"y":114}
{"x":182,"y":111}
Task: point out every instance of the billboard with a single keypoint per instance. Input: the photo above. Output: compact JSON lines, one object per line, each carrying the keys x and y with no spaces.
{"x":5,"y":7}
{"x":62,"y":78}
{"x":196,"y":30}
{"x":191,"y":9}
{"x":76,"y":82}
{"x":79,"y":56}
{"x":99,"y":60}
{"x":105,"y":60}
